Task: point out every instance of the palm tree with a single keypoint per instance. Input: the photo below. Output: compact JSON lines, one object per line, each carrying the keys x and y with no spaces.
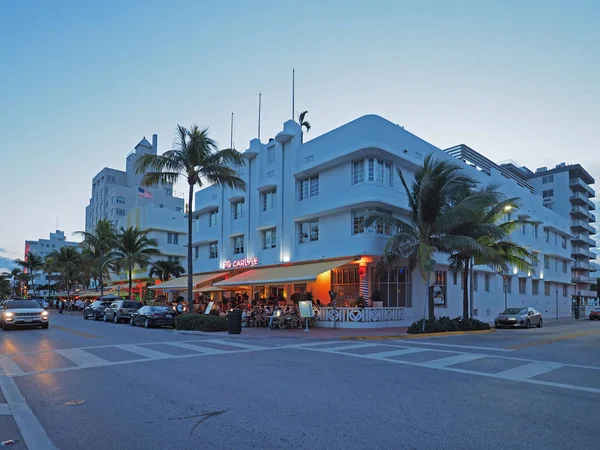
{"x":4,"y":285}
{"x":15,"y":274}
{"x":134,"y":247}
{"x":303,"y":122}
{"x":494,"y":235}
{"x":195,"y":158}
{"x":67,"y":262}
{"x":165,"y":270}
{"x":31,"y":264}
{"x":100,"y":243}
{"x":437,"y":209}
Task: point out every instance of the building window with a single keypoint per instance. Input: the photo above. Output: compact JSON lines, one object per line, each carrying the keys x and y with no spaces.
{"x":308,"y":187}
{"x":120,"y":200}
{"x":556,"y":264}
{"x":565,"y":290}
{"x":563,"y":242}
{"x":535,"y":231}
{"x":238,"y":245}
{"x":439,"y":295}
{"x":196,"y":252}
{"x":564,"y":267}
{"x":269,"y":199}
{"x":237,"y":209}
{"x":547,"y":288}
{"x":119,"y":212}
{"x":269,"y":238}
{"x":475,"y":281}
{"x":271,"y":154}
{"x":508,"y":285}
{"x":373,"y":170}
{"x":178,"y":209}
{"x":487,"y":282}
{"x":535,"y":287}
{"x":548,"y":193}
{"x":213,"y":218}
{"x":169,"y":238}
{"x":522,"y":285}
{"x":547,"y":179}
{"x":175,"y":238}
{"x":549,"y":205}
{"x":393,"y":287}
{"x":524,"y":228}
{"x":547,"y":236}
{"x":535,"y":260}
{"x":546,"y":262}
{"x":358,"y":225}
{"x":213,"y":250}
{"x":308,"y":231}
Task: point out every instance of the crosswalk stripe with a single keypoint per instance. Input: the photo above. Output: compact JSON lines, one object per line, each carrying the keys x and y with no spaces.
{"x":235,"y":344}
{"x":528,"y":371}
{"x":82,"y":358}
{"x":196,"y":348}
{"x":438,"y":344}
{"x":4,"y":409}
{"x":405,"y":351}
{"x":346,"y":347}
{"x":9,"y":366}
{"x":451,"y":360}
{"x":143,"y":351}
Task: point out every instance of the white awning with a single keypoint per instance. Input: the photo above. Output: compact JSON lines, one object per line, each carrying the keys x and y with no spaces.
{"x":180,"y":284}
{"x":295,"y":273}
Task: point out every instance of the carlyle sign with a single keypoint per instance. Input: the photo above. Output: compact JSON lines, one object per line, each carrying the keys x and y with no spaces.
{"x":246,"y":262}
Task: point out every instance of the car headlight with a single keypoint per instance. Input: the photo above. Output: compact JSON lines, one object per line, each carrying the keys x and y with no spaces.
{"x":44,"y":313}
{"x":8,"y":314}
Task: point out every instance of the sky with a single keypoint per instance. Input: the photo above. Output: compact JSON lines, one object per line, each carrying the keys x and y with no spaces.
{"x":82,"y":82}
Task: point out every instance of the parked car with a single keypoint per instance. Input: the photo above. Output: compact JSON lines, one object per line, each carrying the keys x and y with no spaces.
{"x":524,"y":317}
{"x":595,"y":314}
{"x":152,"y":316}
{"x":121,"y":310}
{"x":95,"y":310}
{"x":23,"y":313}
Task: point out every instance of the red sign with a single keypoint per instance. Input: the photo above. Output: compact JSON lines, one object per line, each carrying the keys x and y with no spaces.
{"x":246,"y":262}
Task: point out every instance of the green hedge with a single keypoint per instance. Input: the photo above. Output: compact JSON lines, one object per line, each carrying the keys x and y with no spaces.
{"x":200,"y":322}
{"x":444,"y":324}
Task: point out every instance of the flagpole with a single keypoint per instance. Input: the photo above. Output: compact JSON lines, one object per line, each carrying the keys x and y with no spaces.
{"x":259,"y":105}
{"x":231,"y":134}
{"x":293,"y":91}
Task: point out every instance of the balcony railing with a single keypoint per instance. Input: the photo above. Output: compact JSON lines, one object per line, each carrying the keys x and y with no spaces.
{"x":583,"y":211}
{"x":583,"y":280}
{"x":579,"y":184}
{"x":580,"y":265}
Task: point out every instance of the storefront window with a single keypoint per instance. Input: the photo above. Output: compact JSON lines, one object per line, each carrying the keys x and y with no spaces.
{"x":346,"y":283}
{"x":394,"y":287}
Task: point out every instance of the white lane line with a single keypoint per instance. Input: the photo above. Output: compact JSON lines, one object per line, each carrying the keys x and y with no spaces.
{"x":82,"y":358}
{"x":345,"y":347}
{"x":451,"y":360}
{"x":405,"y":351}
{"x":236,"y":344}
{"x":435,"y":344}
{"x":33,"y":434}
{"x":197,"y":348}
{"x":5,"y":409}
{"x":9,"y":366}
{"x":528,"y":371}
{"x":310,"y":344}
{"x":143,"y":351}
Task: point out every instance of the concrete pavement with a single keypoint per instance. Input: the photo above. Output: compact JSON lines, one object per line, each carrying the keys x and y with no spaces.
{"x":137,"y":388}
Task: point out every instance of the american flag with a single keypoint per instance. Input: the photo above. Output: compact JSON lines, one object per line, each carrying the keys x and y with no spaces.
{"x":144,"y":193}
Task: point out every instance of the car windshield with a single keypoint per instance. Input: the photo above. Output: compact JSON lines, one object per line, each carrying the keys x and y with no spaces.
{"x":514,"y":311}
{"x":22,"y":304}
{"x":134,"y":305}
{"x":159,"y":309}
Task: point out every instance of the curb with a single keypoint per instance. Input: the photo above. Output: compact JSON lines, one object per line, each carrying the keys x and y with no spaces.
{"x":414,"y":336}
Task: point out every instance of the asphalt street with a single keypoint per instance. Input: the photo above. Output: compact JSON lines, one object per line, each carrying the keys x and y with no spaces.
{"x":93,"y":385}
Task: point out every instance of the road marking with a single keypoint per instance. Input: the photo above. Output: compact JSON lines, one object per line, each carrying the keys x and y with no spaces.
{"x":529,"y":370}
{"x":452,"y":360}
{"x":143,"y":351}
{"x":196,"y":348}
{"x":235,"y":344}
{"x":552,"y":340}
{"x":345,"y":347}
{"x":405,"y":351}
{"x":82,"y":358}
{"x":5,"y":409}
{"x":9,"y":366}
{"x":473,"y":347}
{"x":77,"y":332}
{"x":33,"y":434}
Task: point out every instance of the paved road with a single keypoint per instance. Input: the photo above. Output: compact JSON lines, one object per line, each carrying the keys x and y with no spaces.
{"x":85,"y":384}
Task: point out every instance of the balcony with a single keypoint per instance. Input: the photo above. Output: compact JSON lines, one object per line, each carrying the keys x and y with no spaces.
{"x":582,"y":279}
{"x":580,"y":265}
{"x":582,"y":251}
{"x":582,"y":212}
{"x":579,"y":198}
{"x":577,"y":184}
{"x":585,"y":293}
{"x":580,"y":224}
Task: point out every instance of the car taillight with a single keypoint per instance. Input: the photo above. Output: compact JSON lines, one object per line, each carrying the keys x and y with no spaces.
{"x":155,"y":315}
{"x":121,"y":310}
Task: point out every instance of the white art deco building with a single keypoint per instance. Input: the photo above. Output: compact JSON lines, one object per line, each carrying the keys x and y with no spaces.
{"x":298,"y":227}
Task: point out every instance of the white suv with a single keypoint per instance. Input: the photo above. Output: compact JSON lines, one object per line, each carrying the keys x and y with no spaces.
{"x":23,"y":313}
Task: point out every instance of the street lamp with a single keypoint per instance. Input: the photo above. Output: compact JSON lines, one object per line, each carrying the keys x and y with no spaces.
{"x":557,"y":316}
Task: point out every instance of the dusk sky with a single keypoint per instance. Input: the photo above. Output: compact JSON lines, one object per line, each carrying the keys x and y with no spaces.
{"x":82,"y":82}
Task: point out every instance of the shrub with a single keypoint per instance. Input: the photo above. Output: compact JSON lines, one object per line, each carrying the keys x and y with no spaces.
{"x":200,"y":322}
{"x":444,"y":324}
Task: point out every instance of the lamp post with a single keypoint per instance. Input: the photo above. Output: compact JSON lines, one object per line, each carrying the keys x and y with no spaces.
{"x":557,"y":316}
{"x":505,"y":278}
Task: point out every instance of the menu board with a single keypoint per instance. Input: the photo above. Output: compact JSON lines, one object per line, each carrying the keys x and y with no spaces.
{"x":306,"y":309}
{"x":209,"y":308}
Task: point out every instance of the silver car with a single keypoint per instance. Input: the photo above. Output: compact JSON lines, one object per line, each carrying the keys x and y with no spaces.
{"x":524,"y":317}
{"x":121,"y":311}
{"x":16,"y":313}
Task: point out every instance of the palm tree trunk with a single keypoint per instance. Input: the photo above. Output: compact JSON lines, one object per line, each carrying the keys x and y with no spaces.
{"x":431,"y":304}
{"x":465,"y":283}
{"x":130,"y":282}
{"x":190,"y":263}
{"x":101,"y":282}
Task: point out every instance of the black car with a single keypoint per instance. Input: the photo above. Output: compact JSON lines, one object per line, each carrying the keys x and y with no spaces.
{"x":95,"y":310}
{"x":153,"y":316}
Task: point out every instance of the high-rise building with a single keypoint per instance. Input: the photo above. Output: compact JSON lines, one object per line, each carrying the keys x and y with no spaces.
{"x":115,"y":192}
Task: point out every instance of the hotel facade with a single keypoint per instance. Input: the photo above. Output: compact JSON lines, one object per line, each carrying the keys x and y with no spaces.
{"x":298,"y":228}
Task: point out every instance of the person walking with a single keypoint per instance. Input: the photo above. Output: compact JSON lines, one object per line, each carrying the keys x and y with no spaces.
{"x":61,"y":306}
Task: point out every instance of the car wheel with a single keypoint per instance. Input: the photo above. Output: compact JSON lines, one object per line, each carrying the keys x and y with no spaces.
{"x":528,"y":323}
{"x":45,"y":326}
{"x":85,"y":317}
{"x":540,"y":323}
{"x":131,"y":322}
{"x":116,"y":319}
{"x":146,"y":323}
{"x":96,"y":317}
